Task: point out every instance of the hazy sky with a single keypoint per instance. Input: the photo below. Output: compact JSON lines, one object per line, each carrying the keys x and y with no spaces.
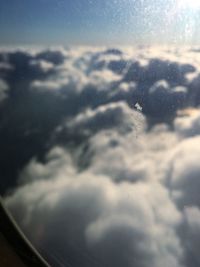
{"x":99,"y":21}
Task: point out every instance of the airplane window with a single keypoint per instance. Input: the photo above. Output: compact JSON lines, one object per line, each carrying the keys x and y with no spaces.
{"x":100,"y":130}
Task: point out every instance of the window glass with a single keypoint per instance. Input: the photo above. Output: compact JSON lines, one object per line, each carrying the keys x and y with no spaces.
{"x":100,"y":129}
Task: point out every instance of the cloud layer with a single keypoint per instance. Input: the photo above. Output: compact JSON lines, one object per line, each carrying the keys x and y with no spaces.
{"x":99,"y":150}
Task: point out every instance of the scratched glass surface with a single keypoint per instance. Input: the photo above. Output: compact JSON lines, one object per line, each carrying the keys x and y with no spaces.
{"x":100,"y":129}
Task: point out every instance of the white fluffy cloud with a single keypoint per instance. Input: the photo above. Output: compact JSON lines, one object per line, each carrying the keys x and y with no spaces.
{"x":102,"y":217}
{"x":99,"y":183}
{"x":116,"y":116}
{"x":183,"y":174}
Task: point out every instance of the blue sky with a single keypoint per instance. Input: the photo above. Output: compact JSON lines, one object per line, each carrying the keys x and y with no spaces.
{"x":95,"y":22}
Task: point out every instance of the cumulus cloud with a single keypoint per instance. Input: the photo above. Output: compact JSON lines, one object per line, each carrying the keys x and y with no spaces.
{"x":184,"y":173}
{"x":42,"y":65}
{"x":116,"y":116}
{"x":135,"y":158}
{"x":99,"y":150}
{"x":102,"y":222}
{"x":52,"y":56}
{"x":188,"y":124}
{"x":164,"y":99}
